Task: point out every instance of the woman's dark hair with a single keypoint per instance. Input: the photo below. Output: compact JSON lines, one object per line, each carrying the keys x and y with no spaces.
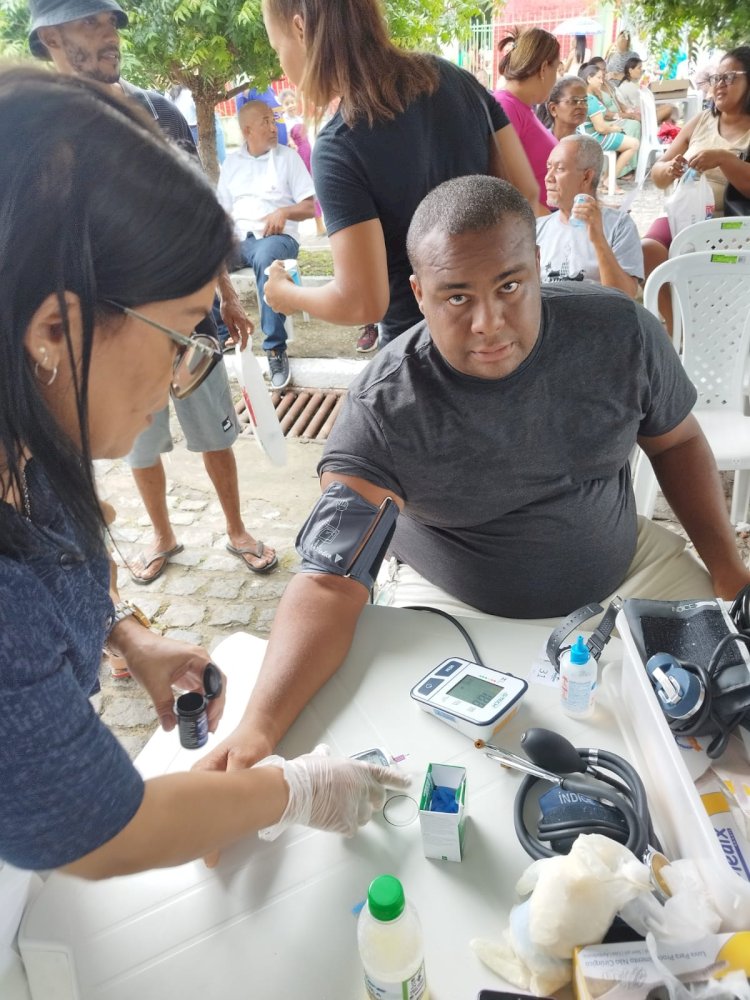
{"x":350,"y":55}
{"x":526,"y":51}
{"x":630,"y":64}
{"x":589,"y":70}
{"x":557,"y":93}
{"x":742,"y":55}
{"x":93,"y":202}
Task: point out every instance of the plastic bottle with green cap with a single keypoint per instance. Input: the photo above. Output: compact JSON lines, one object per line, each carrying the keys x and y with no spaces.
{"x":390,"y":943}
{"x":578,"y":673}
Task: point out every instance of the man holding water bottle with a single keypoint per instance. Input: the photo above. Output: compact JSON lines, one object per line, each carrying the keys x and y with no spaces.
{"x":583,"y":240}
{"x":268,"y":191}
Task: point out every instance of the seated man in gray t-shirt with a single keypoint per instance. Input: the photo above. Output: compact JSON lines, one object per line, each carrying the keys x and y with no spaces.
{"x":502,"y":427}
{"x":583,"y":240}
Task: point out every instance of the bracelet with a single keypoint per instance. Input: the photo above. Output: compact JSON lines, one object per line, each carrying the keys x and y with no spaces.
{"x":123,"y":610}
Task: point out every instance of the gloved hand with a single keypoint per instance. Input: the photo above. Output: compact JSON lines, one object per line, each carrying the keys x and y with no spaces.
{"x":331,"y":793}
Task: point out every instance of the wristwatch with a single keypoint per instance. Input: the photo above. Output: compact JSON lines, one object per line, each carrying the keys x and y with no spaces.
{"x":123,"y":610}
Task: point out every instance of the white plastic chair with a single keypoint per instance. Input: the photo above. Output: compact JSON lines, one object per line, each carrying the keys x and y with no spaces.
{"x":713,"y":291}
{"x":611,"y":157}
{"x":716,"y":235}
{"x":649,"y":136}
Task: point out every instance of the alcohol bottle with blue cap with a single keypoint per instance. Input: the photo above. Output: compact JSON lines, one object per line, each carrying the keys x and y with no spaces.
{"x":578,"y":672}
{"x":389,"y":936}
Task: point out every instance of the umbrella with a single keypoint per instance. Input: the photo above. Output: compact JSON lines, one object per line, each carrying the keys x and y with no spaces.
{"x":579,"y":26}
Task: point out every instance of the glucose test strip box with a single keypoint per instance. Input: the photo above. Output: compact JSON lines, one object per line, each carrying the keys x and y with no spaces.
{"x":626,"y":971}
{"x":443,"y":832}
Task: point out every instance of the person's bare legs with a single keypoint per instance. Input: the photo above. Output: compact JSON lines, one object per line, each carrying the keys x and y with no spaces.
{"x":222,"y":471}
{"x":655,"y":253}
{"x":627,"y":152}
{"x":152,"y":486}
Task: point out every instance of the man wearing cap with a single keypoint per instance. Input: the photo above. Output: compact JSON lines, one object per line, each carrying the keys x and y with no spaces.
{"x":81,"y":37}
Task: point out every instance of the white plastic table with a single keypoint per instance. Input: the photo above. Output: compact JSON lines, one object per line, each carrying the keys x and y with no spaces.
{"x":277,"y":920}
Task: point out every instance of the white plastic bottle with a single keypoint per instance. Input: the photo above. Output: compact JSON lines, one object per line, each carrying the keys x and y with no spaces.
{"x":389,"y":936}
{"x":577,"y":680}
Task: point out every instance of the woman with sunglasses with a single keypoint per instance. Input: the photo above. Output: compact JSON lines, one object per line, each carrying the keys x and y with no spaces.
{"x":711,"y":143}
{"x":565,"y":108}
{"x":104,"y":272}
{"x":406,"y":122}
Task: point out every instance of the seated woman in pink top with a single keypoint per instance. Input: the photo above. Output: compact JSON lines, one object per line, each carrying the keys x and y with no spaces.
{"x":529,"y":64}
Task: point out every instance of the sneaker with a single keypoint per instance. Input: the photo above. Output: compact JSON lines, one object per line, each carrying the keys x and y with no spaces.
{"x":278,"y":366}
{"x":368,"y":339}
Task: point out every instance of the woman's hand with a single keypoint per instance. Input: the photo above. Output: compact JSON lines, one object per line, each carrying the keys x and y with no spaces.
{"x":275,"y":290}
{"x":159,"y":663}
{"x":676,"y":167}
{"x":332,"y":793}
{"x":709,"y":159}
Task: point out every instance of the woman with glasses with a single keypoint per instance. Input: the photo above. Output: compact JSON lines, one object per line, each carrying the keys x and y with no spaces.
{"x":565,"y":108}
{"x":104,"y":273}
{"x":711,"y":143}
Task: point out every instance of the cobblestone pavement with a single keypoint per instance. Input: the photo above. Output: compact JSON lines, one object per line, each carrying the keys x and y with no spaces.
{"x":205,"y":593}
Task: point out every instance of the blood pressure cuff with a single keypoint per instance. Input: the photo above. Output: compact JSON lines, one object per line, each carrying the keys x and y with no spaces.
{"x":346,"y":535}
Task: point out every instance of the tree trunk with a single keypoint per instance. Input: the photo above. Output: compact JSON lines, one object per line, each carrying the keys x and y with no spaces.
{"x":204,"y":107}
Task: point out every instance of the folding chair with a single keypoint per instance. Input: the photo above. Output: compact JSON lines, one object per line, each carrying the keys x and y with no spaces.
{"x":713,"y":292}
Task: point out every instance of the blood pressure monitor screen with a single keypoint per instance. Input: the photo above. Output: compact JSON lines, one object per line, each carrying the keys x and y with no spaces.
{"x":474,"y":690}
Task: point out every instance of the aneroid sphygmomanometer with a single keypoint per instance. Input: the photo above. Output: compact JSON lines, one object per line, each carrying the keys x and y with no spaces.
{"x":697,"y":657}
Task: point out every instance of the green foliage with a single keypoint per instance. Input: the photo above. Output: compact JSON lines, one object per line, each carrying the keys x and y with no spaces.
{"x":725,"y":24}
{"x":14,"y":26}
{"x":206,"y":44}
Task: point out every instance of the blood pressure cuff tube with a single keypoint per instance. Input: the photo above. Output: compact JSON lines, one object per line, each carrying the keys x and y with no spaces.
{"x":346,"y":535}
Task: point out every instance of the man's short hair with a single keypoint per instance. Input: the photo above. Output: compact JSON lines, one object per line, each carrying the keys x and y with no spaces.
{"x":469,"y":204}
{"x":589,"y":156}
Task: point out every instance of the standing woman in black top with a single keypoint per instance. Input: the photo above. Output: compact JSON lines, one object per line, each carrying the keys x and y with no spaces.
{"x":406,"y":122}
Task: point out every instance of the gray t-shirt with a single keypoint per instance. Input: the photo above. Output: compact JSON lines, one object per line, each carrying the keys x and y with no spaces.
{"x":517,"y":491}
{"x":567,"y":254}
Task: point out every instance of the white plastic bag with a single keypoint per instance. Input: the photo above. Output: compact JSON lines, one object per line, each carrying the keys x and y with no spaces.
{"x":263,"y":419}
{"x":692,"y":201}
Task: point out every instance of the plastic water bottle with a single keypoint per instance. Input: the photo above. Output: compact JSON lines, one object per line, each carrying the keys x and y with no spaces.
{"x":577,"y":680}
{"x":574,"y":221}
{"x":390,"y":943}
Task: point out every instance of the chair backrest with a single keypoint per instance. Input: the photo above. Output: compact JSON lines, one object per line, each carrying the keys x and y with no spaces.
{"x":649,"y":124}
{"x":649,"y":136}
{"x":717,"y":235}
{"x":713,"y":290}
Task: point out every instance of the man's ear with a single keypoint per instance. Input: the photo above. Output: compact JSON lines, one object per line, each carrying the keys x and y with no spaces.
{"x":44,"y":339}
{"x":417,"y":289}
{"x":50,"y":37}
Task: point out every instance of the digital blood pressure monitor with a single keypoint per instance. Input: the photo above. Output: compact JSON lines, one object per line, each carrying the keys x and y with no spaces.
{"x":475,"y":700}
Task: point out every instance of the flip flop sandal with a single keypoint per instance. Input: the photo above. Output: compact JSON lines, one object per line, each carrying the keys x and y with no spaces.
{"x":257,"y":552}
{"x":143,"y":565}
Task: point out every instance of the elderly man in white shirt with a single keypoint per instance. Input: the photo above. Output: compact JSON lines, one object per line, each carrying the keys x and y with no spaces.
{"x":583,"y":240}
{"x":268,"y":191}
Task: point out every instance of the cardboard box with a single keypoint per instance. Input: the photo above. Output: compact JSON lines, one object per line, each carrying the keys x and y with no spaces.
{"x":664,"y":90}
{"x":443,"y":832}
{"x":626,"y":971}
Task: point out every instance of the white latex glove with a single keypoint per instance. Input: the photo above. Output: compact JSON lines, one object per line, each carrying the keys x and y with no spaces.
{"x":331,"y":793}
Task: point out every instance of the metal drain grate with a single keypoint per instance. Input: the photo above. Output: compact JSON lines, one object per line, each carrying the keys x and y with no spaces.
{"x":303,"y":413}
